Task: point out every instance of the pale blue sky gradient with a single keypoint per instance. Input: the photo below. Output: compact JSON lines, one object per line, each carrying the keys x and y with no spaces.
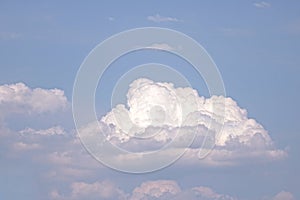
{"x":256,"y":49}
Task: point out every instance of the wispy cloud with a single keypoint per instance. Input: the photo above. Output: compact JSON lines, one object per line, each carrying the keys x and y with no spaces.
{"x":236,"y":32}
{"x":161,"y":46}
{"x":9,"y":35}
{"x":56,"y":130}
{"x":158,"y":18}
{"x":284,"y":195}
{"x":262,"y":4}
{"x":21,"y":146}
{"x":111,"y":19}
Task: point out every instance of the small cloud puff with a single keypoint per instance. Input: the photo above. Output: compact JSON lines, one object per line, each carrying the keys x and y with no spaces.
{"x":161,"y":189}
{"x":19,"y":98}
{"x":158,"y":18}
{"x":262,"y":4}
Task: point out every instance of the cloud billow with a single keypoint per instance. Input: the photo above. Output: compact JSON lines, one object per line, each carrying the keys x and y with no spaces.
{"x":61,"y":160}
{"x":157,"y":112}
{"x":19,"y":98}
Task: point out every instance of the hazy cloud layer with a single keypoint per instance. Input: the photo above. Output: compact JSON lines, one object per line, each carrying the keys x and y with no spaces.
{"x":93,"y":191}
{"x":9,"y":35}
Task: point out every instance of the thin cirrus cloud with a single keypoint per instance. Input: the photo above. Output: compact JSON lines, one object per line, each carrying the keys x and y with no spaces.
{"x":158,"y":18}
{"x":5,"y":35}
{"x":262,"y":4}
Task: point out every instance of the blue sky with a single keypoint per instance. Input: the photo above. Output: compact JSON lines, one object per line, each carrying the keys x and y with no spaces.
{"x":255,"y":45}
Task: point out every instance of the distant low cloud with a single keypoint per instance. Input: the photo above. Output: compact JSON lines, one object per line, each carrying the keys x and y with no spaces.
{"x":262,"y":4}
{"x":283,"y":195}
{"x":149,"y":190}
{"x":68,"y":172}
{"x":158,"y":18}
{"x":207,"y":193}
{"x":19,"y":98}
{"x":21,"y":146}
{"x":161,"y":189}
{"x":32,"y":127}
{"x":56,"y":130}
{"x":93,"y":191}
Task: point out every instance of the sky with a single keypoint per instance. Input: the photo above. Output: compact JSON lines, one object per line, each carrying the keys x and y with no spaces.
{"x":255,"y":46}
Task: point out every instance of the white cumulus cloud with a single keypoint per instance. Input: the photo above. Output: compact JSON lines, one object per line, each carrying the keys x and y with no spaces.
{"x":20,"y":98}
{"x":158,"y":112}
{"x":161,"y":189}
{"x":148,"y":190}
{"x":203,"y":192}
